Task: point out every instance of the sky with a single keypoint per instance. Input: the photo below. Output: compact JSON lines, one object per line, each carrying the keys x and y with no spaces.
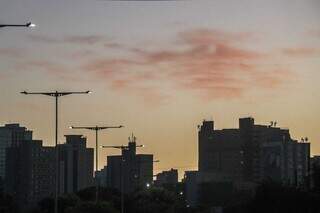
{"x":160,"y":68}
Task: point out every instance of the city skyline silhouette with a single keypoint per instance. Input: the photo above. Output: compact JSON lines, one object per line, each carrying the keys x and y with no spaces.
{"x":160,"y":68}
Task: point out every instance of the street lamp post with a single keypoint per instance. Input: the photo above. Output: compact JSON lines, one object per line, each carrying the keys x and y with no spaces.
{"x":56,"y":95}
{"x":96,"y":129}
{"x":121,"y":167}
{"x":29,"y":24}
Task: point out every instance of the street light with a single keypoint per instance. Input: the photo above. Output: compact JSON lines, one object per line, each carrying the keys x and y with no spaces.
{"x":56,"y":95}
{"x":96,"y":129}
{"x":122,"y":148}
{"x":29,"y":24}
{"x":148,"y":185}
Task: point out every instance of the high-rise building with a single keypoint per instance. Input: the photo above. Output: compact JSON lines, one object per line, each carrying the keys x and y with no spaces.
{"x":30,"y":172}
{"x":75,"y":164}
{"x":252,"y":153}
{"x":11,"y":135}
{"x":132,"y":170}
{"x":238,"y":159}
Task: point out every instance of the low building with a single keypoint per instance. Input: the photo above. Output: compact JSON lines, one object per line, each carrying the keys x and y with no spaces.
{"x":129,"y":171}
{"x":167,"y":178}
{"x":101,"y":177}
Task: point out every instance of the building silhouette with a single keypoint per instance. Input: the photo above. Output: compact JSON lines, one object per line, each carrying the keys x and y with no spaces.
{"x":129,"y":170}
{"x":11,"y":135}
{"x":30,"y":172}
{"x":30,"y":167}
{"x":167,"y":178}
{"x":252,"y":153}
{"x":75,"y":164}
{"x":101,"y":177}
{"x":245,"y":156}
{"x":315,"y":173}
{"x":191,"y":187}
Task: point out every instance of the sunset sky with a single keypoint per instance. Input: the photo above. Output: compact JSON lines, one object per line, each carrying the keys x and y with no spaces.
{"x":160,"y":68}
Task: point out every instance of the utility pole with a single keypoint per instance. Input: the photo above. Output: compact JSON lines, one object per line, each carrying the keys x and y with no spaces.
{"x":96,"y":129}
{"x":56,"y":96}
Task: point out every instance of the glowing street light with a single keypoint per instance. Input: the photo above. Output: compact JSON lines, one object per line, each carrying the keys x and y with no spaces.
{"x":29,"y":24}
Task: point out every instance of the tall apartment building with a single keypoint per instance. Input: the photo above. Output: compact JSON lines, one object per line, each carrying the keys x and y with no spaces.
{"x":11,"y":135}
{"x":239,"y":158}
{"x":75,"y":164}
{"x":252,"y":153}
{"x":132,"y":170}
{"x":30,"y":172}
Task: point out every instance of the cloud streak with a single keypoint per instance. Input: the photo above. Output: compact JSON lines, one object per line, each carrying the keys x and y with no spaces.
{"x":11,"y":52}
{"x":208,"y":63}
{"x":75,"y":39}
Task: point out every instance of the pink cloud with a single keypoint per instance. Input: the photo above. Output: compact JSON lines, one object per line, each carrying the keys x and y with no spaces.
{"x":208,"y":63}
{"x":207,"y":36}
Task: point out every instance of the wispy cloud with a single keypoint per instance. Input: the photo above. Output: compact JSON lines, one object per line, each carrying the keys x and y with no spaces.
{"x":90,"y":39}
{"x":76,"y":39}
{"x":50,"y":67}
{"x":56,"y":69}
{"x":209,"y":63}
{"x":11,"y":52}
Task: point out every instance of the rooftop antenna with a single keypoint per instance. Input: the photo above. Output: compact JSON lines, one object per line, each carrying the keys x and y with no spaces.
{"x":271,"y":124}
{"x":275,"y":123}
{"x":132,"y":138}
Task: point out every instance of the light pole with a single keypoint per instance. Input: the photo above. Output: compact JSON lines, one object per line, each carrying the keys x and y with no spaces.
{"x":56,"y":95}
{"x":122,"y":148}
{"x":29,"y":24}
{"x":96,"y":129}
